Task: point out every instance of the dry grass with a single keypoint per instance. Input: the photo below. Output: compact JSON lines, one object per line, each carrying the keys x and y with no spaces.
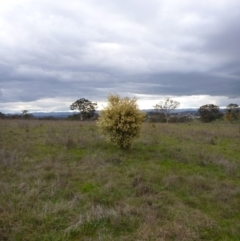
{"x":61,"y":181}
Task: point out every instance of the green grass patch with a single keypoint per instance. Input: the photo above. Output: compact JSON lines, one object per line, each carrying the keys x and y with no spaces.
{"x":60,"y":180}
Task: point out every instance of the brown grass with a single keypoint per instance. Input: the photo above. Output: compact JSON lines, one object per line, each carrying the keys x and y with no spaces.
{"x":61,"y":181}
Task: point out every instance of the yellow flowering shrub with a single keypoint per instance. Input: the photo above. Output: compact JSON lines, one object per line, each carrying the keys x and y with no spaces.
{"x":120,"y":121}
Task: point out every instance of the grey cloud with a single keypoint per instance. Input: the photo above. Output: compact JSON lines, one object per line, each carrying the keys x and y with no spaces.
{"x":88,"y":49}
{"x":185,"y":84}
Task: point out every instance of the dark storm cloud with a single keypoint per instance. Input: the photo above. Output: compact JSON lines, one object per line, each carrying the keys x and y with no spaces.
{"x":74,"y":49}
{"x":193,"y":84}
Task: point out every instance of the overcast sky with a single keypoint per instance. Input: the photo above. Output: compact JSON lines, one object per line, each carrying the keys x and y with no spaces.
{"x":53,"y":52}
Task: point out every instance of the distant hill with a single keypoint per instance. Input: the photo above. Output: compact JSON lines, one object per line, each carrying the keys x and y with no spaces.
{"x":66,"y":114}
{"x":188,"y":110}
{"x":53,"y":114}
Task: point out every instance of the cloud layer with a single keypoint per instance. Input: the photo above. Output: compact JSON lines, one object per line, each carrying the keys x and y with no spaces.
{"x":61,"y":51}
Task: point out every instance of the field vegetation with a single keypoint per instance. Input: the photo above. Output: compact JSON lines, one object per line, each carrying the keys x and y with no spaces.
{"x":60,"y":181}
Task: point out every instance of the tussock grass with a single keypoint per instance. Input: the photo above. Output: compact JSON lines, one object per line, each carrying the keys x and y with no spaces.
{"x":61,"y":181}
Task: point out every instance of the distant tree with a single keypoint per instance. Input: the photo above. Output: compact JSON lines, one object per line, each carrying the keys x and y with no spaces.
{"x":2,"y":115}
{"x":165,"y":107}
{"x":25,"y":112}
{"x":26,"y":115}
{"x":209,"y":113}
{"x":120,"y":121}
{"x":86,"y":108}
{"x":232,"y":112}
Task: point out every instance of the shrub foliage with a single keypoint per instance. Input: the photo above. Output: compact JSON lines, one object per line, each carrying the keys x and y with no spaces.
{"x":120,"y":121}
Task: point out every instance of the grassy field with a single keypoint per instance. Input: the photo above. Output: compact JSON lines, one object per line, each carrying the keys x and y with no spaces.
{"x":61,"y":181}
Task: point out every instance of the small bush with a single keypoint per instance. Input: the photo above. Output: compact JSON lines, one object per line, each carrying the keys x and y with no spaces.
{"x":120,"y":122}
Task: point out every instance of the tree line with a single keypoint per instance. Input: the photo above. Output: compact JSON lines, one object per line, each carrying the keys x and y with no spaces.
{"x":120,"y":121}
{"x":162,"y":112}
{"x":211,"y":112}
